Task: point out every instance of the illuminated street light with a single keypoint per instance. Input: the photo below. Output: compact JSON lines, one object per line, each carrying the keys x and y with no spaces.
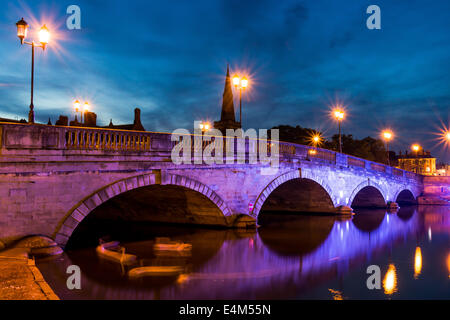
{"x":447,"y":136}
{"x":236,"y":80}
{"x":76,"y":105}
{"x":387,"y":136}
{"x":415,"y":147}
{"x":204,"y":126}
{"x":44,"y":37}
{"x":339,"y":115}
{"x":242,"y":84}
{"x":86,"y":108}
{"x":316,"y":139}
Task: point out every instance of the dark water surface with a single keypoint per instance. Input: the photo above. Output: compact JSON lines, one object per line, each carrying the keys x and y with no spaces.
{"x":292,"y":257}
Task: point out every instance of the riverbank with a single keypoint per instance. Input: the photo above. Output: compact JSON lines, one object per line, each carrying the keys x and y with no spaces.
{"x":20,"y":279}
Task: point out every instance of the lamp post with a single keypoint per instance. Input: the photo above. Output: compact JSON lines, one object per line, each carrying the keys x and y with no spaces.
{"x":315,"y":141}
{"x":85,"y":109}
{"x":76,"y":105}
{"x":339,"y":114}
{"x":242,"y":84}
{"x":387,"y":136}
{"x":44,"y":35}
{"x":415,"y":147}
{"x":204,"y":126}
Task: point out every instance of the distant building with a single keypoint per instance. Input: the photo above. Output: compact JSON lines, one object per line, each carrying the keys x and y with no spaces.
{"x":13,"y":121}
{"x":227,"y":117}
{"x":420,"y":162}
{"x":136,"y":125}
{"x":90,"y":120}
{"x":443,"y":170}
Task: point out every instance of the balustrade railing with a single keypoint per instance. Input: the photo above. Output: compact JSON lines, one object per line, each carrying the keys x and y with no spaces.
{"x":355,"y":162}
{"x":377,"y":167}
{"x":110,"y":140}
{"x":23,"y":136}
{"x":321,"y":154}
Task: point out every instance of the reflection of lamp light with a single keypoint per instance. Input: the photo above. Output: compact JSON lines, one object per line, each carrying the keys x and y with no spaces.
{"x":390,"y":280}
{"x":448,"y":265}
{"x":417,"y":262}
{"x":182,"y":278}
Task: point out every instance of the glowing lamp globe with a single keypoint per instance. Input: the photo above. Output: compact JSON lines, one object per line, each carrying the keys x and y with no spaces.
{"x":76,"y":105}
{"x":44,"y":36}
{"x":387,"y":135}
{"x":22,"y":28}
{"x":236,"y":80}
{"x":244,"y":83}
{"x":338,"y":114}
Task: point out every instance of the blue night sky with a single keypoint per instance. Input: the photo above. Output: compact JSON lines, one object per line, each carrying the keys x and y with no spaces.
{"x":169,"y":59}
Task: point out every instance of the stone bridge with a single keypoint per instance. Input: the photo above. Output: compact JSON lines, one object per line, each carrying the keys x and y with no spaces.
{"x":54,"y":177}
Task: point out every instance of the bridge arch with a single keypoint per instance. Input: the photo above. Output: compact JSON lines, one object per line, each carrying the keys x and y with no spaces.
{"x":284,"y":178}
{"x":93,"y":201}
{"x":405,"y":196}
{"x":368,"y":187}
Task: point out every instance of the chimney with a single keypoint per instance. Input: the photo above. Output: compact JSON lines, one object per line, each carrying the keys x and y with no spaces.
{"x":137,"y":125}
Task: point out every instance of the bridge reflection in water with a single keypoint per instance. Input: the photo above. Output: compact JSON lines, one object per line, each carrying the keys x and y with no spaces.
{"x":288,"y":258}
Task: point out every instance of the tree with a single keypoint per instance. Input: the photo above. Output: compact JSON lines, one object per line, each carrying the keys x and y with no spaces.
{"x":367,"y":148}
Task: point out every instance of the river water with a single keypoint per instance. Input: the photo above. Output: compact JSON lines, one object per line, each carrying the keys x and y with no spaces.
{"x":289,"y":257}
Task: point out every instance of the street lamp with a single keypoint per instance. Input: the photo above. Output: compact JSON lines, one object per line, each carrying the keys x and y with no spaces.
{"x":204,"y":126}
{"x":339,"y":114}
{"x":85,"y":109}
{"x":315,"y":139}
{"x":44,"y":36}
{"x":387,"y":136}
{"x":242,"y":84}
{"x":76,"y":105}
{"x":415,"y":147}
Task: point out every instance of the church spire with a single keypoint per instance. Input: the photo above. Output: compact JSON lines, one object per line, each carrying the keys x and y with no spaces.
{"x":227,"y":118}
{"x":227,"y":102}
